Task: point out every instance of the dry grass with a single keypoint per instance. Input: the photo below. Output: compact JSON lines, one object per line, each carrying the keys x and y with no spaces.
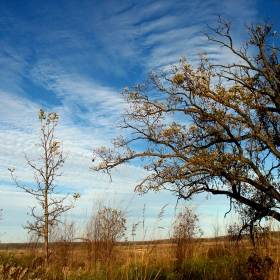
{"x":213,"y":258}
{"x":207,"y":259}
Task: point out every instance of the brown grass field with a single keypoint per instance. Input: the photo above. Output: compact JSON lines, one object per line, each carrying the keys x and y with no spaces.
{"x":213,"y":258}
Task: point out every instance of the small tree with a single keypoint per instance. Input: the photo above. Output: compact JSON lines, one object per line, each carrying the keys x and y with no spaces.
{"x":52,"y":158}
{"x":1,"y":234}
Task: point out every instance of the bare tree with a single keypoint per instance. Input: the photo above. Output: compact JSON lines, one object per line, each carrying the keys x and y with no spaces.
{"x":105,"y":228}
{"x":210,"y":129}
{"x":50,"y":204}
{"x":1,"y":217}
{"x":185,"y":232}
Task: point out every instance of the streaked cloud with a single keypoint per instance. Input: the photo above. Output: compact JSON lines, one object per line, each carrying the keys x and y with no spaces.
{"x":74,"y":58}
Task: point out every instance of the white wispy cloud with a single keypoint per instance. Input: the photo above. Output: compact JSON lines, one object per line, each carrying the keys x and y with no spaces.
{"x":73,"y":59}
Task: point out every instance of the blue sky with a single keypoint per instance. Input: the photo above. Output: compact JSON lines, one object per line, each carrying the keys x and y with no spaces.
{"x":74,"y":57}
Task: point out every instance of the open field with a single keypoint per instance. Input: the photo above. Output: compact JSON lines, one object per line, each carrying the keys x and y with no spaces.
{"x":213,"y":258}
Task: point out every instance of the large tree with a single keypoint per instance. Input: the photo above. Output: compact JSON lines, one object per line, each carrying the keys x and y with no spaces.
{"x":213,"y":128}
